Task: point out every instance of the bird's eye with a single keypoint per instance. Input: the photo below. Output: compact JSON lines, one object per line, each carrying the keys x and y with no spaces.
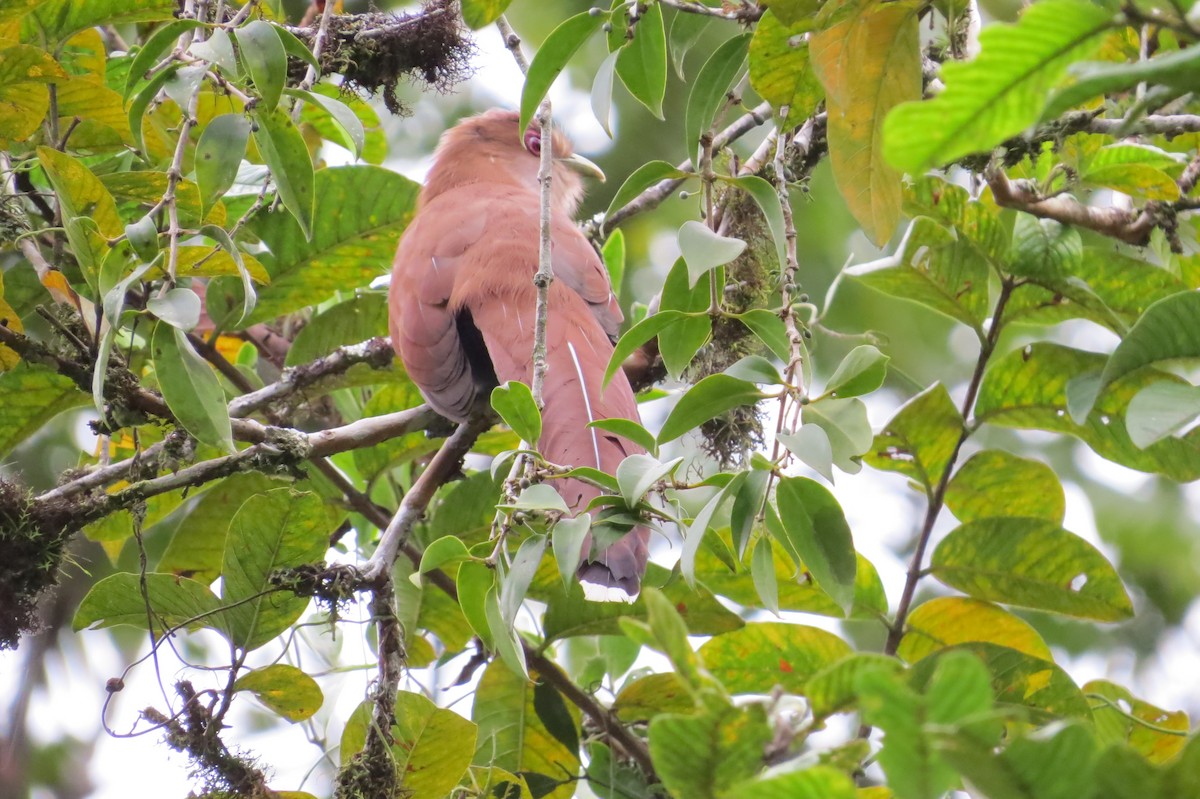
{"x":533,"y":142}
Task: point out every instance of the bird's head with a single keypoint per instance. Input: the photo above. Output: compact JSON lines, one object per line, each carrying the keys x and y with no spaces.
{"x":491,"y":148}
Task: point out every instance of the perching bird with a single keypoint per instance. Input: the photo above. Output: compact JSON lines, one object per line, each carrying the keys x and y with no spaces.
{"x":462,"y":305}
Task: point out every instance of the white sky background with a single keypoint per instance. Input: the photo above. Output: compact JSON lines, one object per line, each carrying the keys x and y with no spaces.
{"x":881,"y":514}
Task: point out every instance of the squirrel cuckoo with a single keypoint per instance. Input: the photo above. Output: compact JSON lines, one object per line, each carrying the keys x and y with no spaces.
{"x":462,"y":305}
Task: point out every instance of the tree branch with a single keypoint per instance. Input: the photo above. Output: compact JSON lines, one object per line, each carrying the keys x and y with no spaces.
{"x":653,"y":196}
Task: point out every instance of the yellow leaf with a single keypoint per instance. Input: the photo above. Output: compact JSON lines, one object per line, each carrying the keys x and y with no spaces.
{"x":869,"y":62}
{"x":8,"y":317}
{"x":947,"y":621}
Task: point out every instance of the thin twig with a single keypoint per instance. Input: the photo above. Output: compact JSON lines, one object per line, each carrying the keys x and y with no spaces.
{"x":937,"y":497}
{"x":412,"y":507}
{"x":653,"y":196}
{"x":310,"y":73}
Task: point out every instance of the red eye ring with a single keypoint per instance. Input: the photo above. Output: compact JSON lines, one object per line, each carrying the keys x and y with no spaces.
{"x":533,"y":142}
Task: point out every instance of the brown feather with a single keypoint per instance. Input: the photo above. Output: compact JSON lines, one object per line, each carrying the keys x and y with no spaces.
{"x":463,"y":277}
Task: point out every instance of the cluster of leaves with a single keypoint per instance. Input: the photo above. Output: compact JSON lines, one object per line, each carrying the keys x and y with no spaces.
{"x":191,"y":226}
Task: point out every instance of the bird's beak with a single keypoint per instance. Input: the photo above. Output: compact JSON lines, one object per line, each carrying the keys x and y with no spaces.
{"x":581,"y":165}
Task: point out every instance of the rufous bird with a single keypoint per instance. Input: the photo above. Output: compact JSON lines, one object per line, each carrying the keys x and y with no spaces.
{"x":462,"y":304}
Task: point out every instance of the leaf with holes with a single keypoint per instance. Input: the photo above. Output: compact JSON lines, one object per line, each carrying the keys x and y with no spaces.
{"x":921,"y":438}
{"x":1033,"y":563}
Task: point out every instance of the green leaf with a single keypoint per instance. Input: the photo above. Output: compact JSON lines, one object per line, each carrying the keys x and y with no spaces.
{"x":360,"y":213}
{"x":812,"y":446}
{"x":711,"y":397}
{"x":1159,"y":410}
{"x":610,"y":778}
{"x":504,"y":635}
{"x":914,"y":769}
{"x":770,"y":331}
{"x":282,"y":147}
{"x":704,"y":755}
{"x":178,"y":307}
{"x":242,"y":263}
{"x":23,"y":72}
{"x":755,"y":369}
{"x":762,"y":571}
{"x":999,"y":93}
{"x":197,"y":545}
{"x":947,"y":621}
{"x":669,"y":632}
{"x":832,"y":689}
{"x":276,"y":530}
{"x":613,"y":253}
{"x":568,"y":614}
{"x":1028,"y":389}
{"x":869,"y":62}
{"x":515,"y":403}
{"x":190,"y":388}
{"x":771,"y":206}
{"x":709,"y":88}
{"x":442,"y":552}
{"x":936,"y":269}
{"x":920,"y":439}
{"x":1018,"y":680}
{"x":1154,"y":733}
{"x":846,"y":426}
{"x":694,"y":535}
{"x":143,"y":237}
{"x":475,"y":580}
{"x":817,"y":782}
{"x":284,"y":689}
{"x":296,"y":48}
{"x":480,"y":13}
{"x":780,"y":71}
{"x":1033,"y":563}
{"x":432,"y":747}
{"x":1166,"y":331}
{"x":352,"y":135}
{"x":761,"y":656}
{"x":516,"y":582}
{"x":218,"y":155}
{"x":552,"y":58}
{"x":602,"y":89}
{"x":644,"y":698}
{"x":686,"y":30}
{"x":642,"y":63}
{"x":80,"y":192}
{"x":265,"y":59}
{"x":350,"y":322}
{"x":704,"y":250}
{"x":153,"y":50}
{"x":817,"y":529}
{"x":33,"y":395}
{"x":679,"y":343}
{"x":514,"y":736}
{"x":58,"y":20}
{"x":997,"y":483}
{"x":1096,"y":78}
{"x":638,"y":473}
{"x":567,"y":539}
{"x":174,"y":601}
{"x":639,"y":334}
{"x":142,"y":100}
{"x":642,"y":178}
{"x":860,"y":372}
{"x":627,"y":428}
